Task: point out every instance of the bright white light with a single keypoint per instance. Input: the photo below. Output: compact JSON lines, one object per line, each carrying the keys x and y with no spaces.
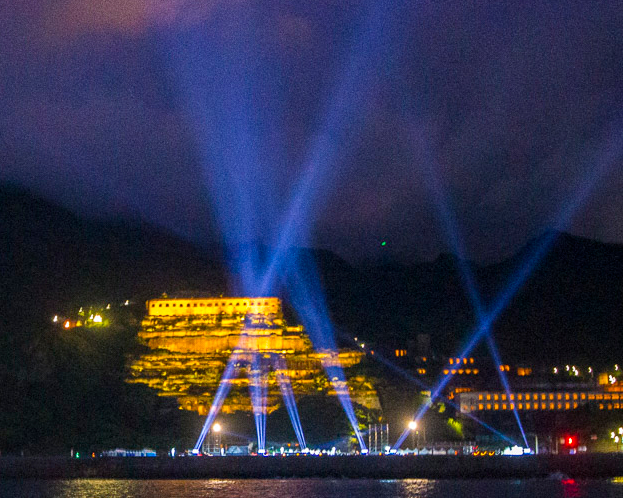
{"x":364,"y":451}
{"x":555,"y":370}
{"x":127,"y":302}
{"x":514,"y":451}
{"x":412,"y":425}
{"x":67,"y":324}
{"x":108,"y":306}
{"x":216,"y":427}
{"x":590,"y":370}
{"x":616,"y":439}
{"x":621,"y":430}
{"x":97,"y":319}
{"x":172,"y":452}
{"x":55,"y":319}
{"x":567,"y":367}
{"x":616,"y":367}
{"x":612,"y":434}
{"x":362,"y":345}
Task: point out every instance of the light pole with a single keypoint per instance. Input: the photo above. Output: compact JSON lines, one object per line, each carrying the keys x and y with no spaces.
{"x":216,"y":431}
{"x":413,"y":428}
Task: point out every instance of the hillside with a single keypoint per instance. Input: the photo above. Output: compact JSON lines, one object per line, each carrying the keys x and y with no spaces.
{"x":570,"y":307}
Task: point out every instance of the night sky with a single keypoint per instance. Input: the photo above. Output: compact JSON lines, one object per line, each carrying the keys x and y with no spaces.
{"x":167,"y":110}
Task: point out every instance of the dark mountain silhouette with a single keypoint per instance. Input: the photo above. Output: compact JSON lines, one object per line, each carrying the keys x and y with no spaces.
{"x":570,"y":309}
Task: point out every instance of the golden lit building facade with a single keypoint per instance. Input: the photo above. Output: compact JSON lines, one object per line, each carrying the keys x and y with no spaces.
{"x":497,"y":401}
{"x":192,"y":339}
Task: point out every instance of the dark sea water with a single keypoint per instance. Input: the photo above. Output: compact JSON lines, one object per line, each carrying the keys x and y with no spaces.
{"x":313,"y":488}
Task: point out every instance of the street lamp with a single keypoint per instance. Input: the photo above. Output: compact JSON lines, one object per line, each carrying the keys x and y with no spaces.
{"x":216,"y":438}
{"x":413,"y":428}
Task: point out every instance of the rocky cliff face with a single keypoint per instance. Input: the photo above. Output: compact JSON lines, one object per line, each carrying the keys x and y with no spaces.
{"x":190,"y":353}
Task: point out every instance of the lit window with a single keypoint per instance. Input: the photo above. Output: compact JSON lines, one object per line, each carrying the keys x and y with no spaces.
{"x":446,"y":372}
{"x":481,"y":406}
{"x":551,"y":406}
{"x":453,"y":371}
{"x":461,"y":371}
{"x":475,"y":371}
{"x":551,"y":395}
{"x":465,"y":361}
{"x":575,"y":395}
{"x":542,"y":406}
{"x":566,"y":406}
{"x":504,"y":406}
{"x":471,"y":360}
{"x":451,"y":361}
{"x":583,"y":396}
{"x":503,"y":397}
{"x":468,"y":371}
{"x":512,"y":397}
{"x":559,"y":406}
{"x":559,"y":396}
{"x":495,"y":397}
{"x":496,"y":406}
{"x":488,"y":406}
{"x":512,"y":406}
{"x":542,"y":395}
{"x":488,"y":397}
{"x":566,"y":395}
{"x":480,"y":396}
{"x":520,"y":406}
{"x":520,"y":396}
{"x":527,"y":396}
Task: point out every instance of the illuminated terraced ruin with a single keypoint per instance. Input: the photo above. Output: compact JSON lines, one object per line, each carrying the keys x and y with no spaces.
{"x":192,"y":339}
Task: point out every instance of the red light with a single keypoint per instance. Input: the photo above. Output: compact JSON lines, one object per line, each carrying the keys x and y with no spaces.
{"x":571,"y":441}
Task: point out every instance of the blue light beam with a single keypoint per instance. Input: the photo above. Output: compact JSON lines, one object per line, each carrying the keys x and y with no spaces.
{"x":258,"y":390}
{"x":221,"y":393}
{"x":374,"y":46}
{"x":605,"y":159}
{"x":283,"y":380}
{"x":307,"y":298}
{"x":453,"y":235}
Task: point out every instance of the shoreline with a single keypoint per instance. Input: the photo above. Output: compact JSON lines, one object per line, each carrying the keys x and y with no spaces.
{"x":598,"y":465}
